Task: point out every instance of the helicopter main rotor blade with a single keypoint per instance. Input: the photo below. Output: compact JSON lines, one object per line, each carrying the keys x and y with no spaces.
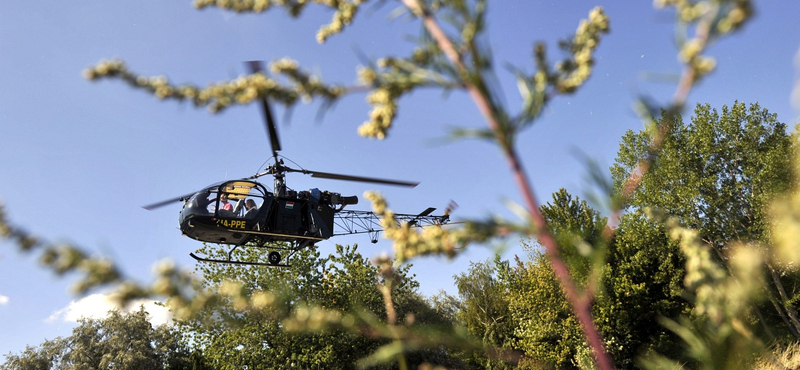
{"x":334,"y":176}
{"x":272,"y":132}
{"x":162,"y":203}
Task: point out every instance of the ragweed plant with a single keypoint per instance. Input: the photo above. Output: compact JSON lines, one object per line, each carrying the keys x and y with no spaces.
{"x":785,"y":225}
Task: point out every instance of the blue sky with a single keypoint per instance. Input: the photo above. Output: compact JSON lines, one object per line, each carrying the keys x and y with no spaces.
{"x":79,"y":159}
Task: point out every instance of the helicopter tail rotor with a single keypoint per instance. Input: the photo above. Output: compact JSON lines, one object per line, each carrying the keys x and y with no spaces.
{"x":450,"y":207}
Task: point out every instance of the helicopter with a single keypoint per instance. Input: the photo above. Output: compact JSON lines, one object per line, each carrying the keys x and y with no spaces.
{"x":244,"y":213}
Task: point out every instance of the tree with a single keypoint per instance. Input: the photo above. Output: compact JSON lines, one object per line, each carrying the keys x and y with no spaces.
{"x":641,"y":275}
{"x":717,"y":174}
{"x":43,"y":357}
{"x":119,"y":341}
{"x":232,"y":338}
{"x":546,"y":329}
{"x":643,"y":282}
{"x":484,"y":311}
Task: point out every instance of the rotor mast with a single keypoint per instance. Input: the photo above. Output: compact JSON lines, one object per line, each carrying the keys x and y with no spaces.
{"x":277,"y":169}
{"x":280,"y":179}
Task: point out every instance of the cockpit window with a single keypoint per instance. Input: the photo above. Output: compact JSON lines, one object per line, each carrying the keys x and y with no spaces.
{"x":202,"y":202}
{"x":232,"y":199}
{"x":240,"y":199}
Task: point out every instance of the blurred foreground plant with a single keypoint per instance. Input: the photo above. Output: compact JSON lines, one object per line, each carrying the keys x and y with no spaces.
{"x":718,"y":335}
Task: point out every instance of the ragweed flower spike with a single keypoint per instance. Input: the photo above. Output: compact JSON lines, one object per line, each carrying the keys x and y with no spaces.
{"x":217,"y":97}
{"x":410,"y":242}
{"x":344,"y":10}
{"x":396,"y":78}
{"x":711,"y":20}
{"x":586,"y":40}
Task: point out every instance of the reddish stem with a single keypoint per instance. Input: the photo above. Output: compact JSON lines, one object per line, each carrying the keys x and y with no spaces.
{"x":581,"y":304}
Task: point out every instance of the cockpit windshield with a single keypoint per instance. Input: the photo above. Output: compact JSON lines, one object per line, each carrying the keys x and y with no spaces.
{"x":230,"y":199}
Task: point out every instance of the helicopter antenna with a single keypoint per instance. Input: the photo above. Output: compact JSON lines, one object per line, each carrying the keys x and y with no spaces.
{"x":263,"y":164}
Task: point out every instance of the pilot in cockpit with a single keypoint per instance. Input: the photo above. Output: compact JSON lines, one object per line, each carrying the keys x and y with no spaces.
{"x":251,"y":207}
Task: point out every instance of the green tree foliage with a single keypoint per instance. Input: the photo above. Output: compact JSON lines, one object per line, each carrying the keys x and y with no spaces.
{"x":43,"y":357}
{"x":641,"y":278}
{"x":717,"y":174}
{"x":484,"y":310}
{"x":445,"y":305}
{"x":232,"y":338}
{"x":546,"y":329}
{"x":119,"y":342}
{"x":578,"y":230}
{"x":643,"y":281}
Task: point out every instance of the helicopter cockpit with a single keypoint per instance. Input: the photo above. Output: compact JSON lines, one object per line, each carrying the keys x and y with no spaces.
{"x":231,"y":199}
{"x":230,"y":205}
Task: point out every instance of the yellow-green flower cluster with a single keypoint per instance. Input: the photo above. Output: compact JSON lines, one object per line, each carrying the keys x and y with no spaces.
{"x":586,"y":40}
{"x":345,"y":12}
{"x":384,"y":109}
{"x":736,"y":16}
{"x":306,"y":86}
{"x":722,"y":297}
{"x":422,"y":56}
{"x":239,"y":6}
{"x":106,"y":68}
{"x":410,"y":242}
{"x":315,"y":318}
{"x":687,"y":11}
{"x":217,"y":97}
{"x":401,"y":76}
{"x":185,"y":297}
{"x":713,"y":18}
{"x":25,"y":241}
{"x":367,"y":75}
{"x":733,"y":15}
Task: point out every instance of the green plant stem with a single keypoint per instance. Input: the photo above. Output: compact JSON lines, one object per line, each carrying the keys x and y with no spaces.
{"x":581,"y":303}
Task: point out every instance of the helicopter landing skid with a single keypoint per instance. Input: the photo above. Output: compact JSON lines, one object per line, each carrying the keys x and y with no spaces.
{"x":273,"y":257}
{"x":235,"y":262}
